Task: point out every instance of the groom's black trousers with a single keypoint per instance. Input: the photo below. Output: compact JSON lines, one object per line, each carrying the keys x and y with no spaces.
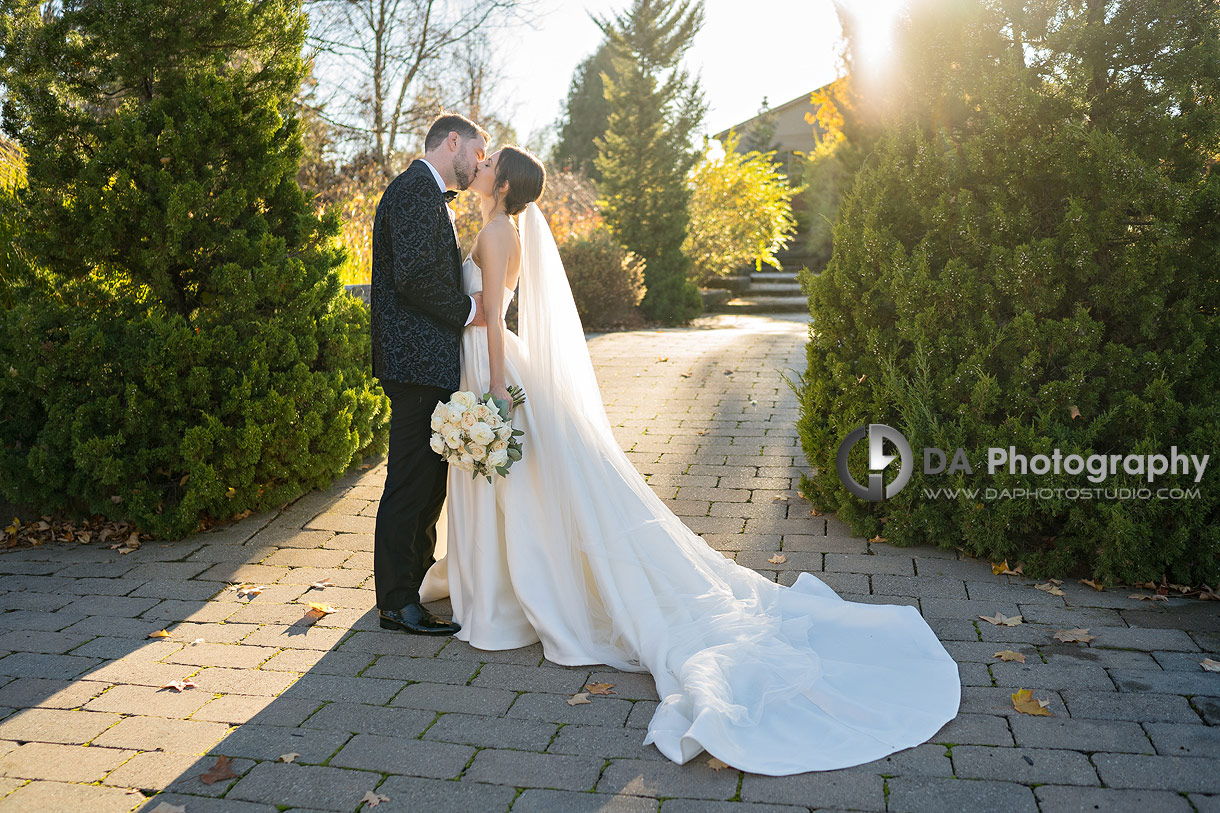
{"x":405,"y":537}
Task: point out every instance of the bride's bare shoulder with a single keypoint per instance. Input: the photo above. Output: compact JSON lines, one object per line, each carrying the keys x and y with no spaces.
{"x":497,"y":237}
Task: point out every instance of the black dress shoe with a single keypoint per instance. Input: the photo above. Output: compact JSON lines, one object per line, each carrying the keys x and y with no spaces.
{"x":414,"y":618}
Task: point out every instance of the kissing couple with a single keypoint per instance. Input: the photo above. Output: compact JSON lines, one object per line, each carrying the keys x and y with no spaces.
{"x":572,"y":548}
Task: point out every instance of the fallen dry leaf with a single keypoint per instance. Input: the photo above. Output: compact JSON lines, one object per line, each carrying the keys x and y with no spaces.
{"x":599,"y":688}
{"x":1073,"y":636}
{"x":1009,"y":655}
{"x":196,"y":642}
{"x":717,"y":764}
{"x":159,"y":634}
{"x":1001,"y":620}
{"x":322,"y":585}
{"x":1049,"y":588}
{"x":247,"y":590}
{"x":180,"y":685}
{"x":220,"y":771}
{"x":373,"y":799}
{"x":1004,"y":569}
{"x":780,"y":498}
{"x":1074,"y":411}
{"x":1092,"y":584}
{"x":778,"y":559}
{"x":1210,"y":665}
{"x":578,"y":698}
{"x":317,"y":610}
{"x":288,"y":757}
{"x":1025,"y":702}
{"x":877,"y":538}
{"x":1149,"y":596}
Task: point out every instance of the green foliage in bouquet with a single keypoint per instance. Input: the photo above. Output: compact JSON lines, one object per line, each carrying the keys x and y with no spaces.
{"x":187,"y":353}
{"x":1035,"y":266}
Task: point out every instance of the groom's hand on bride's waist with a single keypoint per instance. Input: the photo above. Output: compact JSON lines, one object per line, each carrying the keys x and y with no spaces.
{"x":478,"y":309}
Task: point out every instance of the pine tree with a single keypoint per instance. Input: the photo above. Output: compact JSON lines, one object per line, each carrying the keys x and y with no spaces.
{"x":1032,"y":263}
{"x":585,"y":115}
{"x":645,"y":154}
{"x":194,"y":356}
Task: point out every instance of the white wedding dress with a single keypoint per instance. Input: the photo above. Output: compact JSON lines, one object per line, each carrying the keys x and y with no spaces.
{"x":574,"y":549}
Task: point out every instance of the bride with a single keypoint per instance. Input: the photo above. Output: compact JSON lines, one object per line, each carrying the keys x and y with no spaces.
{"x":574,"y":549}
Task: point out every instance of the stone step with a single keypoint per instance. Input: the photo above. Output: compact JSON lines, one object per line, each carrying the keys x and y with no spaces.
{"x":773,"y":276}
{"x":765,"y":304}
{"x":774,"y":288}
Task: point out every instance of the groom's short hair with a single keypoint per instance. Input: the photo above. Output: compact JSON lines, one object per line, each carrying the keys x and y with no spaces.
{"x":447,"y":123}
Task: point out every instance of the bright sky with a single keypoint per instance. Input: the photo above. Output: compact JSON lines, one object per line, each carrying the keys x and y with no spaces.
{"x":777,"y":49}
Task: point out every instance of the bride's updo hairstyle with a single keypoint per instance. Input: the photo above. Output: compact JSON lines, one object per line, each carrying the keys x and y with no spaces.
{"x":525,"y":175}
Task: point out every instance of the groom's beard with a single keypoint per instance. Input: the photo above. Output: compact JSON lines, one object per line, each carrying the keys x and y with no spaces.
{"x":463,"y":174}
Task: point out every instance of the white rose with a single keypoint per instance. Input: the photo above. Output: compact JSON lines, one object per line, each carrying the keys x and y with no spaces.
{"x":464,"y":399}
{"x":437,"y":444}
{"x":494,"y":420}
{"x":466,"y":462}
{"x":437,"y":422}
{"x":469,"y":420}
{"x":453,"y":437}
{"x":453,"y":413}
{"x":476,"y":451}
{"x":481,"y":433}
{"x":498,"y":445}
{"x":481,"y":412}
{"x":497,"y":458}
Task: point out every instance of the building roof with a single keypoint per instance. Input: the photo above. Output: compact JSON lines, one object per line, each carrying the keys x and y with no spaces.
{"x":803,"y":99}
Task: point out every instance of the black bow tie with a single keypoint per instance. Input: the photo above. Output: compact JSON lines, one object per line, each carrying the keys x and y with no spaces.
{"x":449,"y":195}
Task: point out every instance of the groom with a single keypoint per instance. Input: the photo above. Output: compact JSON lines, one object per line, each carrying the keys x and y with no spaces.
{"x":418,"y":312}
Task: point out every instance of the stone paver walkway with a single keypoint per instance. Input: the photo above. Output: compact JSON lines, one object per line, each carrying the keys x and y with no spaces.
{"x":313,"y":714}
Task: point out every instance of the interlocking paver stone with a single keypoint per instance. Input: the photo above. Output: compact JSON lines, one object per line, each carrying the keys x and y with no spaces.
{"x":437,"y":725}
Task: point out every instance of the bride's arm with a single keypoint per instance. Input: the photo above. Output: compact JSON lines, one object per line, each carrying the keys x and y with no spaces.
{"x":493,"y":260}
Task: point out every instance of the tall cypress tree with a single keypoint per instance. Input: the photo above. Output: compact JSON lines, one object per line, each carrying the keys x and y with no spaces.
{"x":192,"y":355}
{"x":585,"y":114}
{"x":645,"y":154}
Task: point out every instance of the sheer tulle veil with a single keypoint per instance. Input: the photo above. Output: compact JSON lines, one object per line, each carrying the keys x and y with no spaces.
{"x":549,"y":324}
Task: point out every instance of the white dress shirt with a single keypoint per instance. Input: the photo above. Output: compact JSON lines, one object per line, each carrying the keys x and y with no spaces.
{"x":441,"y":183}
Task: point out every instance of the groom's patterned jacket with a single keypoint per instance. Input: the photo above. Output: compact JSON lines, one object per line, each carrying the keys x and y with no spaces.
{"x":418,"y":308}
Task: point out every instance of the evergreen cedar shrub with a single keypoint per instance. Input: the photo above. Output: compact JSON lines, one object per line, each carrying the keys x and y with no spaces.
{"x":607,"y":280}
{"x":185,"y":351}
{"x":980,"y":290}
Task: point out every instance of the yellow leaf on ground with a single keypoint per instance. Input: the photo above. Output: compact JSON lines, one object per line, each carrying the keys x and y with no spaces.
{"x":877,"y":538}
{"x":1009,"y":655}
{"x":1002,"y":567}
{"x":717,"y":764}
{"x":1049,"y":588}
{"x":1092,"y":584}
{"x":778,"y":559}
{"x":1025,"y":702}
{"x":1073,"y":636}
{"x":318,"y":610}
{"x":159,"y":634}
{"x":578,"y":698}
{"x":223,"y":769}
{"x":1210,"y":665}
{"x":599,"y":688}
{"x":1001,"y":620}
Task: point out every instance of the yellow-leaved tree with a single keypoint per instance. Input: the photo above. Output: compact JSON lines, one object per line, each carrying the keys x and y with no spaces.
{"x":740,"y":211}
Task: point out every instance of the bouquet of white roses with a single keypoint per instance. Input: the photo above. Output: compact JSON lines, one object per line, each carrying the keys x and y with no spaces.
{"x":475,"y":434}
